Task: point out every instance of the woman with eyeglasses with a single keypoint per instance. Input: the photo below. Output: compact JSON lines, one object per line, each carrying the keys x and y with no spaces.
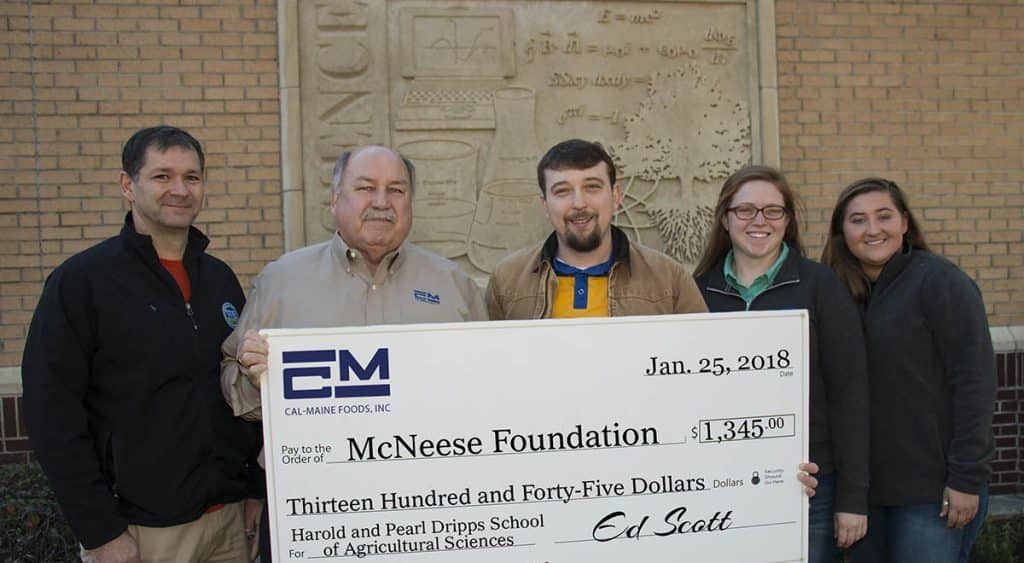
{"x":932,"y":377}
{"x":754,"y":261}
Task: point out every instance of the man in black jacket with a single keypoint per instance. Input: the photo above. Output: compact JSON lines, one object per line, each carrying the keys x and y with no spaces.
{"x":121,"y":377}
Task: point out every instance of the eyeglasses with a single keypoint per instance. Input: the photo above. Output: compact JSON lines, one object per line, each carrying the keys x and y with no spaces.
{"x":747,"y":212}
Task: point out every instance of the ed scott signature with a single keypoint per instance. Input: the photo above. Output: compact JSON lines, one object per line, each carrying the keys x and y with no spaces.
{"x":616,"y":525}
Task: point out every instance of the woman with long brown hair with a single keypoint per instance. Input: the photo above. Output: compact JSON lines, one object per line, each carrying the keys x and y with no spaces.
{"x":932,"y":379}
{"x":755,"y":261}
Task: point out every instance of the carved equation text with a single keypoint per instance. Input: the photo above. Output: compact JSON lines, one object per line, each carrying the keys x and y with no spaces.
{"x":715,"y":45}
{"x":612,"y":16}
{"x":600,"y":80}
{"x":581,"y":112}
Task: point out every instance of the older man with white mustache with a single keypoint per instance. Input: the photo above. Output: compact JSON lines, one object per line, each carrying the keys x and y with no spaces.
{"x":365,"y":274}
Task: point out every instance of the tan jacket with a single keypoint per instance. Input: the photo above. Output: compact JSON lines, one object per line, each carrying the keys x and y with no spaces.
{"x":329,"y":285}
{"x":642,"y":281}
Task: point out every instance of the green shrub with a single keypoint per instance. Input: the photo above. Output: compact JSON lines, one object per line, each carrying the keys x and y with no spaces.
{"x":32,"y":528}
{"x":1000,"y":542}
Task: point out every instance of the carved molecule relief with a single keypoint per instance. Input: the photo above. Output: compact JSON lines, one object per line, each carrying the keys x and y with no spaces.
{"x":475,"y":92}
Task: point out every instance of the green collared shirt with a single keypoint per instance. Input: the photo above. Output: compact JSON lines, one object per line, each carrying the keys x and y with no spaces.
{"x":760,"y":283}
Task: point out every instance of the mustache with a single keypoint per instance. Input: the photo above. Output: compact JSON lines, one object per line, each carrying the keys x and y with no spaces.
{"x":379,"y":215}
{"x":580,"y":215}
{"x":177,"y":199}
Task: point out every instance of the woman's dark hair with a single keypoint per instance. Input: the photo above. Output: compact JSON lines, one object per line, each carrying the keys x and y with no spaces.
{"x":719,"y":242}
{"x":837,"y":255}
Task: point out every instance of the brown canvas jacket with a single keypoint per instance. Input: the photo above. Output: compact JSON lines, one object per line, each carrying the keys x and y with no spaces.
{"x":642,"y":281}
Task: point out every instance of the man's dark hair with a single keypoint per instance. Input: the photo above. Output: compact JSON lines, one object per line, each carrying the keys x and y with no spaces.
{"x":162,"y":137}
{"x":574,"y":154}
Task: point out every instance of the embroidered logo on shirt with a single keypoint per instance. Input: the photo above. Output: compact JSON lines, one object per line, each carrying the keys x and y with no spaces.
{"x":230,"y":314}
{"x":426,"y":297}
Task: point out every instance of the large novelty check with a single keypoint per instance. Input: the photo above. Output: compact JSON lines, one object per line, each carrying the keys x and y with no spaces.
{"x":672,"y":438}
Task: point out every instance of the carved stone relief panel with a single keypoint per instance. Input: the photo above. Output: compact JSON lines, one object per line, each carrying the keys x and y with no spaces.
{"x":474,"y":92}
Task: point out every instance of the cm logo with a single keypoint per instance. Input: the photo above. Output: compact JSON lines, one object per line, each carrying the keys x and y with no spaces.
{"x":308,"y":381}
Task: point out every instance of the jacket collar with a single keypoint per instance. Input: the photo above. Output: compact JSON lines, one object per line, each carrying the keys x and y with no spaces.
{"x":790,"y":270}
{"x":893,"y":268}
{"x":196,"y":244}
{"x":788,"y":273}
{"x":620,"y":249}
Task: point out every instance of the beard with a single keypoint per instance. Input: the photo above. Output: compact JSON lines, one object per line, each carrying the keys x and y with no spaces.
{"x":583,"y":243}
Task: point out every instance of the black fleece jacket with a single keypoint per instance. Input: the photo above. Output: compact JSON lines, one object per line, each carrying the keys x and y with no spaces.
{"x":121,"y":389}
{"x":839,"y":384}
{"x":933,"y":381}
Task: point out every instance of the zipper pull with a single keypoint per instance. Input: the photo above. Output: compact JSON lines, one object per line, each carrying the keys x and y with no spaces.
{"x":191,"y":317}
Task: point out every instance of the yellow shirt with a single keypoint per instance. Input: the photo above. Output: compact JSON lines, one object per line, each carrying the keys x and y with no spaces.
{"x":566,"y":291}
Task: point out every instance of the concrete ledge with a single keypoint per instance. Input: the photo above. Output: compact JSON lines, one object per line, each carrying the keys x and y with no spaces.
{"x":10,"y":380}
{"x":1018,"y":335}
{"x":1007,"y":339}
{"x":1004,"y":507}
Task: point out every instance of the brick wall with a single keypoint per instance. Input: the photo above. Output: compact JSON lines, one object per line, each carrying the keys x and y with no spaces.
{"x":14,"y":443}
{"x":927,"y":93}
{"x":1008,"y":425}
{"x":78,"y":77}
